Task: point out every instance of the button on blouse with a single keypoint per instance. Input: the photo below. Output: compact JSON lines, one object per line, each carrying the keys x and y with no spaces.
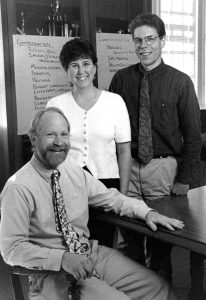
{"x":94,"y":133}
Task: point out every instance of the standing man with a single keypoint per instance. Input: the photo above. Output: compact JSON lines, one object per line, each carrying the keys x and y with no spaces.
{"x":165,"y":124}
{"x":44,"y":216}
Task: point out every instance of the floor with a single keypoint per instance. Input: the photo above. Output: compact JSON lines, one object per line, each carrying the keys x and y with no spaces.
{"x":180,"y":262}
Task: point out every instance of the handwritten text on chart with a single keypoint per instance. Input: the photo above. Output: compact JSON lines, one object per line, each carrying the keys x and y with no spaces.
{"x":44,"y":68}
{"x":114,"y":51}
{"x":39,"y":75}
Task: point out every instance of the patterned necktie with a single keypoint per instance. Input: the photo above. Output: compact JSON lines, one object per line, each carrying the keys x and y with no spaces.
{"x":145,"y":147}
{"x":63,"y":225}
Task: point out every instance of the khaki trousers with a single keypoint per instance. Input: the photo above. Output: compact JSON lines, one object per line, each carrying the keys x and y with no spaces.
{"x":149,"y":182}
{"x":153,"y":180}
{"x":121,"y":278}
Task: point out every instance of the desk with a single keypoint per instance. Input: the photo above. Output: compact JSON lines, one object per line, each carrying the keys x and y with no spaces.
{"x":190,"y":209}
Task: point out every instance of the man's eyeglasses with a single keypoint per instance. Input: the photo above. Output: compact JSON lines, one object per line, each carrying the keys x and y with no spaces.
{"x":149,"y":40}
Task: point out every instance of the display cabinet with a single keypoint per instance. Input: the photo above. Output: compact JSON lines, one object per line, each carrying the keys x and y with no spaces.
{"x":48,"y":17}
{"x":63,"y":17}
{"x":114,"y":16}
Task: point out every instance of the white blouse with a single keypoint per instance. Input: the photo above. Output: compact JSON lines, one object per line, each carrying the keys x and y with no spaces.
{"x":94,"y":132}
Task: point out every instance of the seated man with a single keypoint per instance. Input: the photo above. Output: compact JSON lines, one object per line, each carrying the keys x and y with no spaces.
{"x":44,"y":215}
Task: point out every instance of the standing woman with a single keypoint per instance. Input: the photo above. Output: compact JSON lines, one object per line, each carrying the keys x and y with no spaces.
{"x":100,"y":128}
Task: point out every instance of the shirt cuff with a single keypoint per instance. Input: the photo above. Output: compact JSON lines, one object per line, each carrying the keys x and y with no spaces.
{"x":54,"y":260}
{"x":134,"y":208}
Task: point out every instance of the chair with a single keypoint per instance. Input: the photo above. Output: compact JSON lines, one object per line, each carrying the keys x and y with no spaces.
{"x":17,"y":271}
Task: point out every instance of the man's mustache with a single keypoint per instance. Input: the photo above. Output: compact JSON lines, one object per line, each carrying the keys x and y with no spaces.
{"x":58,"y":149}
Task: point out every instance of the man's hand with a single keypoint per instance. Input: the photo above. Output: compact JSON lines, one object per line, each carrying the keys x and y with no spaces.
{"x":80,"y":266}
{"x":153,"y":218}
{"x":180,"y":189}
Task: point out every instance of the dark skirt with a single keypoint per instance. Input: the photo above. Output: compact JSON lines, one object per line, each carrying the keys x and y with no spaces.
{"x":99,"y":230}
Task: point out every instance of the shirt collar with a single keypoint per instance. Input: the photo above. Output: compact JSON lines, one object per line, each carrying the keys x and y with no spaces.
{"x":41,"y":168}
{"x":157,"y":69}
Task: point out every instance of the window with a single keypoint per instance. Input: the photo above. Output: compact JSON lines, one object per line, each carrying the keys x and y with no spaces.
{"x":185,"y":47}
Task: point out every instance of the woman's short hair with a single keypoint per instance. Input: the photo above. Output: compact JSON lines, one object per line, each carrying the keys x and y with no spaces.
{"x":151,"y":20}
{"x":35,"y":123}
{"x":76,"y":49}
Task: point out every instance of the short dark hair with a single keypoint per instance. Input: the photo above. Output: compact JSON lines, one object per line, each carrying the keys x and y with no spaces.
{"x":151,"y":20}
{"x":75,"y":49}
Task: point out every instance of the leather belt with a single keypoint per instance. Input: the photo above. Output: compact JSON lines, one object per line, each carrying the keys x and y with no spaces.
{"x":161,"y":156}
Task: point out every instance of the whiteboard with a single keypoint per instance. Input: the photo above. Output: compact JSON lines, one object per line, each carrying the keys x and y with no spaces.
{"x":114,"y":52}
{"x":39,"y":75}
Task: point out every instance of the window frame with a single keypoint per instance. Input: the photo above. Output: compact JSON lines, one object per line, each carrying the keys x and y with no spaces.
{"x":200,"y":45}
